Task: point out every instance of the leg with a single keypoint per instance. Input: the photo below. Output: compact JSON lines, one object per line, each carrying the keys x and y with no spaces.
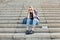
{"x":28,"y":23}
{"x":35,"y":22}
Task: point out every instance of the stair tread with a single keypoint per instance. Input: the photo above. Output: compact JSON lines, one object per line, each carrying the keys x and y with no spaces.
{"x":18,"y":35}
{"x":22,"y":30}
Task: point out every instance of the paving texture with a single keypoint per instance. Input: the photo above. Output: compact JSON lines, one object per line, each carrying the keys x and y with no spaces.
{"x":12,"y":13}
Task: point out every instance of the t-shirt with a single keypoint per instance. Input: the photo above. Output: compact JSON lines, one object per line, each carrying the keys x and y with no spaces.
{"x":31,"y":15}
{"x":36,"y":15}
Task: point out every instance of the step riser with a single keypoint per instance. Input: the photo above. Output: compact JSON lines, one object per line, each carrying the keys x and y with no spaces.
{"x":36,"y":35}
{"x":22,"y":30}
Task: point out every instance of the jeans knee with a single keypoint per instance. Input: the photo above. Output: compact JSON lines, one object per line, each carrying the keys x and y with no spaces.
{"x":28,"y":22}
{"x":35,"y":22}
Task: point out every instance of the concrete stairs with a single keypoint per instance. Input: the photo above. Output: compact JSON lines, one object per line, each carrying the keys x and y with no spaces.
{"x":13,"y":11}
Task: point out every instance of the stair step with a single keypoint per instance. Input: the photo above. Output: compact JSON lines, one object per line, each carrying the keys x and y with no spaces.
{"x":38,"y":8}
{"x":22,"y":30}
{"x":24,"y":17}
{"x":16,"y":21}
{"x":22,"y":35}
{"x":36,"y":35}
{"x":50,"y":25}
{"x":23,"y":11}
{"x":9,"y":15}
{"x":40,"y":15}
{"x":55,"y":18}
{"x":52,"y":14}
{"x":18,"y":12}
{"x":15,"y":18}
{"x":19,"y":21}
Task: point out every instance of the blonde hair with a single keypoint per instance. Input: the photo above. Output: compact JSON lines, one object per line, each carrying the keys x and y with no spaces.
{"x":30,"y":8}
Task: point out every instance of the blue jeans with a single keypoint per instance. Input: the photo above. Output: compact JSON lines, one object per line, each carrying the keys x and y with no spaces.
{"x":34,"y":22}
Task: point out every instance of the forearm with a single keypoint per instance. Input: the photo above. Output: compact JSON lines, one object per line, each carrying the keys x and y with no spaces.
{"x":28,"y":16}
{"x":34,"y":14}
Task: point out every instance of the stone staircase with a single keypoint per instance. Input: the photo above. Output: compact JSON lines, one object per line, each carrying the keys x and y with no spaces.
{"x":13,"y":11}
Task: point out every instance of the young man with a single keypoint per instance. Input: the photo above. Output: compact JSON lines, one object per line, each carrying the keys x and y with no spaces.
{"x":32,"y":18}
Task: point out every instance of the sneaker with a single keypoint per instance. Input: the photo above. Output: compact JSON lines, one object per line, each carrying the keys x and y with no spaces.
{"x":27,"y":32}
{"x":31,"y":32}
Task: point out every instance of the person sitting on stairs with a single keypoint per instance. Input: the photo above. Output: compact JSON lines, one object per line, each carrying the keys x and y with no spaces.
{"x":32,"y":18}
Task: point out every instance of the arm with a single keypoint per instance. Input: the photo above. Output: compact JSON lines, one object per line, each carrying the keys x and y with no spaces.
{"x":36,"y":14}
{"x":28,"y":15}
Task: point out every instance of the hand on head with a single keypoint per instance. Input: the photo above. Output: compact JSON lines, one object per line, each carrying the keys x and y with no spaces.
{"x":30,"y":9}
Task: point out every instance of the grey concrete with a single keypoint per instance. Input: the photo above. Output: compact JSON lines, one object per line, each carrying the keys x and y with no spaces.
{"x":22,"y":30}
{"x":51,"y":25}
{"x":5,"y":39}
{"x":15,"y":21}
{"x":55,"y":39}
{"x":36,"y":35}
{"x":13,"y":11}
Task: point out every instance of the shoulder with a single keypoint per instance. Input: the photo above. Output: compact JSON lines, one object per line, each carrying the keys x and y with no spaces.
{"x":35,"y":11}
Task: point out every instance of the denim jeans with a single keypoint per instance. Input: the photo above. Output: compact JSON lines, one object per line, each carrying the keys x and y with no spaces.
{"x":34,"y":22}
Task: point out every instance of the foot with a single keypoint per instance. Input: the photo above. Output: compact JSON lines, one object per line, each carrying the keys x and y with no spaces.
{"x":27,"y":32}
{"x":31,"y":32}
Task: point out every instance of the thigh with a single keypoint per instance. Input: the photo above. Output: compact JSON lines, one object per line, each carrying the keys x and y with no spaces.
{"x":36,"y":21}
{"x":31,"y":21}
{"x":24,"y":21}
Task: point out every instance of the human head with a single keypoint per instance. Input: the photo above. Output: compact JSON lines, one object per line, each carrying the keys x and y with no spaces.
{"x":30,"y":9}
